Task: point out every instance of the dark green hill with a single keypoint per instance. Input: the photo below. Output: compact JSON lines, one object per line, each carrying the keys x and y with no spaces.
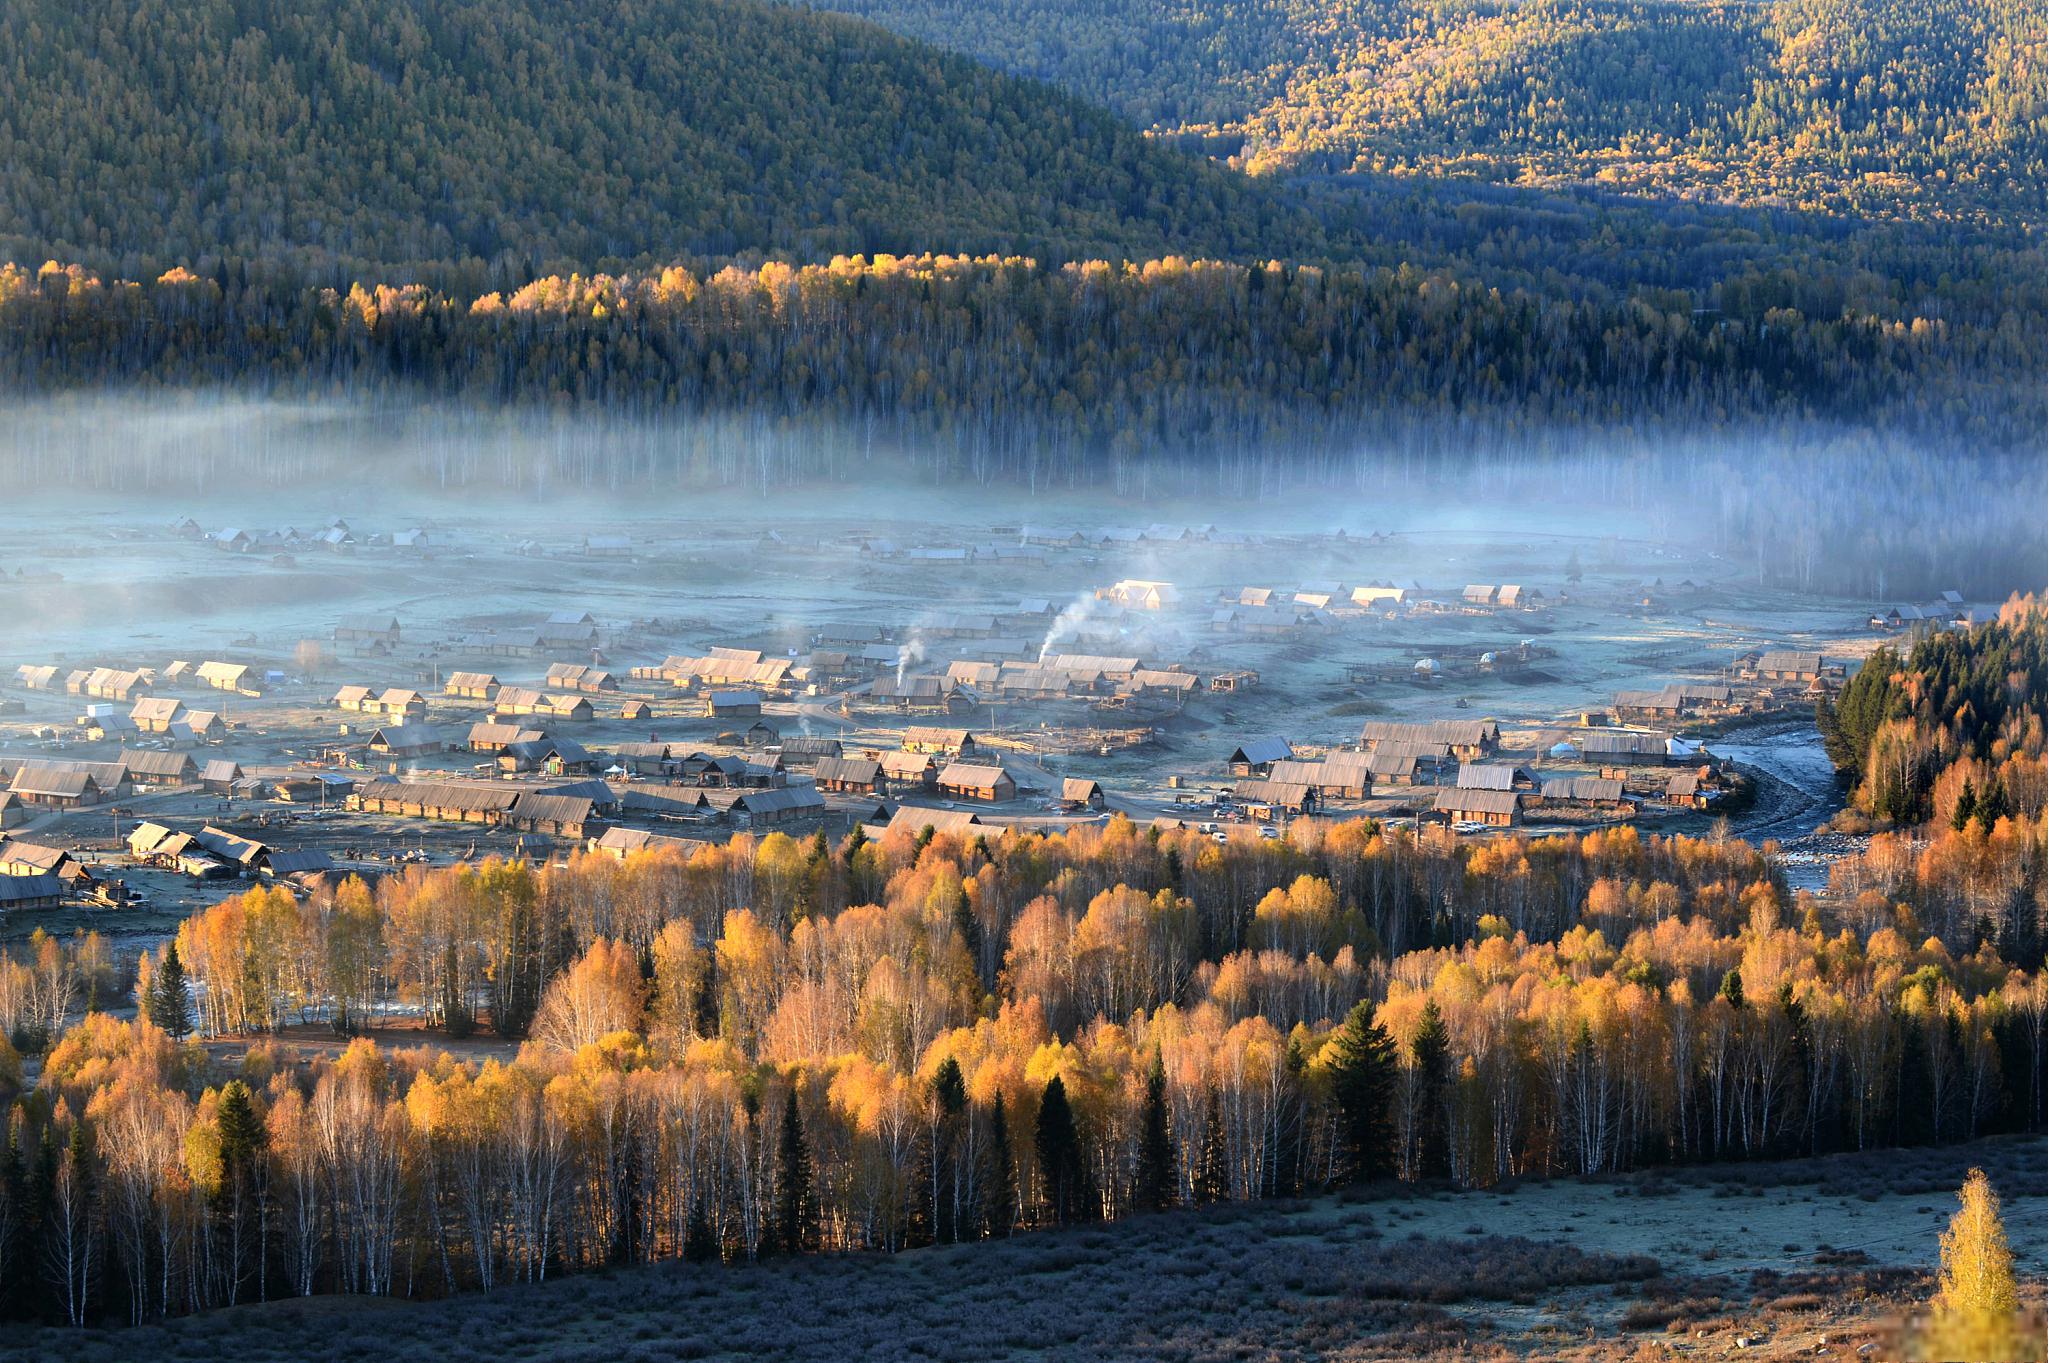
{"x":519,"y":133}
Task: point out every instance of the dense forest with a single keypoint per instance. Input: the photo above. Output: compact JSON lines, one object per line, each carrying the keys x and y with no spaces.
{"x":1130,"y":377}
{"x":1907,"y":107}
{"x":772,"y":1046}
{"x":724,"y":221}
{"x":1956,"y":730}
{"x":374,"y":138}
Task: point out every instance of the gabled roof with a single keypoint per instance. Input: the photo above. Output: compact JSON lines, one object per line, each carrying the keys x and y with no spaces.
{"x":917,"y":818}
{"x":1477,"y":801}
{"x":1486,"y":776}
{"x":22,"y":889}
{"x":156,"y":763}
{"x":974,"y":775}
{"x":1260,"y":751}
{"x":859,"y":771}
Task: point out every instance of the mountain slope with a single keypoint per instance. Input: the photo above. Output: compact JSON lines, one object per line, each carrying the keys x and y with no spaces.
{"x":1929,"y":108}
{"x":520,"y":133}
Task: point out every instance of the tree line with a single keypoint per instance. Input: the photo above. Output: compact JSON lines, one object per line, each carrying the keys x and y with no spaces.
{"x":773,"y":1046}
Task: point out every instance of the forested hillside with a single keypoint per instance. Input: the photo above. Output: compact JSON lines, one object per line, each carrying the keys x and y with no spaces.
{"x":1955,"y":730}
{"x":1929,"y":108}
{"x":372,"y":136}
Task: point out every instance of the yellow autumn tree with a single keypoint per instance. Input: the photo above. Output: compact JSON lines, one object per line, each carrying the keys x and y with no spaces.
{"x":1976,"y":1314}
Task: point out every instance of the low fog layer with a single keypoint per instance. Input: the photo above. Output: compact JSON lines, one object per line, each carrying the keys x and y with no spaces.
{"x":1810,"y":509}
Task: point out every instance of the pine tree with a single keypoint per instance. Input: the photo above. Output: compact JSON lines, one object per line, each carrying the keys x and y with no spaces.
{"x":1966,"y":805}
{"x":1993,"y":806}
{"x":704,"y":1012}
{"x":1001,"y":1206}
{"x":949,"y":1101}
{"x":1154,"y":1188}
{"x":1731,"y":988}
{"x":1976,"y":1314}
{"x":969,"y":928}
{"x":794,"y":1228}
{"x":1062,"y":1165}
{"x":242,"y":1137}
{"x":1432,"y":1054}
{"x":169,"y":1008}
{"x":700,"y":1245}
{"x":1362,"y":1083}
{"x":1212,"y":1175}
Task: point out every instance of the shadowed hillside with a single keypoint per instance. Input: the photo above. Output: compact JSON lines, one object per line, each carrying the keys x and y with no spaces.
{"x":365,"y":135}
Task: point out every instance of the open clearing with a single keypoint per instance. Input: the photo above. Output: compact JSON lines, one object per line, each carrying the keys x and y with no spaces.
{"x":1794,"y":1259}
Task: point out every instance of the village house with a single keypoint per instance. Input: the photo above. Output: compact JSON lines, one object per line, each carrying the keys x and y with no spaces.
{"x":951,"y":742}
{"x":38,"y":859}
{"x":859,"y":775}
{"x":219,"y":776}
{"x":636,"y":710}
{"x":580,"y":677}
{"x":446,"y":800}
{"x":405,"y":741}
{"x":1583,"y":790}
{"x":909,"y":771}
{"x":607,"y":546}
{"x":368,"y":633}
{"x":38,"y":677}
{"x":916,"y":819}
{"x":1496,"y":808}
{"x":1141,"y":594}
{"x":155,"y":714}
{"x":360,"y":699}
{"x":1467,"y":739}
{"x":490,"y":736}
{"x":555,"y":756}
{"x":1077,"y":793}
{"x":1379,"y":597}
{"x":977,"y":781}
{"x":774,"y":806}
{"x":559,"y":816}
{"x":30,"y":894}
{"x":518,"y":700}
{"x":1622,"y":748}
{"x":620,"y":843}
{"x":801,"y":750}
{"x":1169,"y":685}
{"x":236,"y":677}
{"x":159,"y":768}
{"x":573,"y":708}
{"x":470,"y":685}
{"x":199,"y":726}
{"x":1790,"y":665}
{"x":113,"y":683}
{"x":1268,"y":799}
{"x":1685,"y":790}
{"x":1256,"y":756}
{"x":13,"y":813}
{"x":69,"y":785}
{"x":917,"y":694}
{"x":399,"y":702}
{"x":1492,"y":776}
{"x":732,"y":704}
